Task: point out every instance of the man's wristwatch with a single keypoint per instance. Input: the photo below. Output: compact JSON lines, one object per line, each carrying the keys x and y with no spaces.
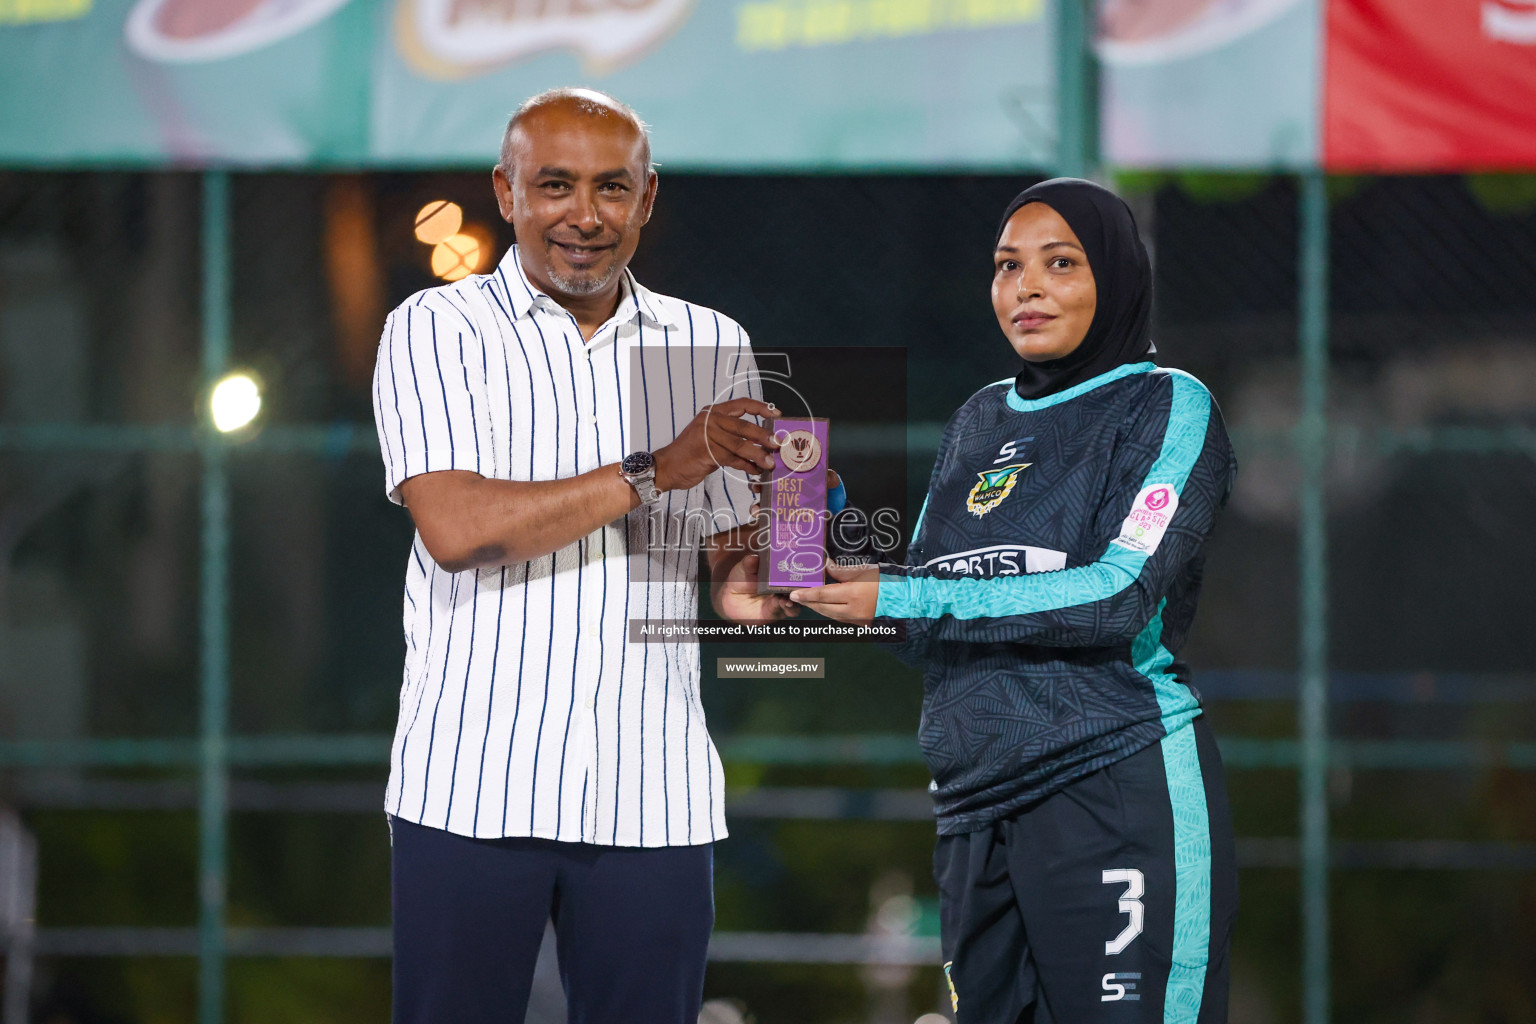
{"x":639,"y":468}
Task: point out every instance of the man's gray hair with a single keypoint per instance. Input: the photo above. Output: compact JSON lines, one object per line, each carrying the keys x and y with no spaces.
{"x":587,"y":101}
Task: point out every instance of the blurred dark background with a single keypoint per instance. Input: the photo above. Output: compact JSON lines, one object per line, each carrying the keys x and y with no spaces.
{"x":1431,"y":484}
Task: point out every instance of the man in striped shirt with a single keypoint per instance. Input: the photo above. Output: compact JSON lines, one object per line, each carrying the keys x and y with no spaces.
{"x":566,"y":442}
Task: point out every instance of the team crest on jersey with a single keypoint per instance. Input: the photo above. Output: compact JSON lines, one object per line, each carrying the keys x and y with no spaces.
{"x":993,"y":487}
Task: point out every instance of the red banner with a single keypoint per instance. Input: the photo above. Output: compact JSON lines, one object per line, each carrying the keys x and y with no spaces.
{"x":1430,"y":85}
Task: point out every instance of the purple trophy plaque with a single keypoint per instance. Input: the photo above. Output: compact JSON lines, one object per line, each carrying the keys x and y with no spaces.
{"x":795,"y":502}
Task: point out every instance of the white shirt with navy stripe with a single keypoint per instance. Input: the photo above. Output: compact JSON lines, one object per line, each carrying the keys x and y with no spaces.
{"x":525,"y":711}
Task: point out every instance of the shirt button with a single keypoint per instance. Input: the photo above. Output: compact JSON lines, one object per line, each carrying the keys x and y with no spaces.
{"x":590,"y":704}
{"x":591,"y":421}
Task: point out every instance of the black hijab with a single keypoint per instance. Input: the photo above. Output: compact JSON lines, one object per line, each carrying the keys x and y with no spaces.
{"x":1121,"y":331}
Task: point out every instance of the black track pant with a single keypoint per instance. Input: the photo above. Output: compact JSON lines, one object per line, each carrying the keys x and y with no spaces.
{"x":1110,"y":901}
{"x":631,"y":924}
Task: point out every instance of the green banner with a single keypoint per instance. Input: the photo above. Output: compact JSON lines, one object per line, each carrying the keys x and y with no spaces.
{"x":730,"y":85}
{"x":1211,"y":83}
{"x":727,"y":84}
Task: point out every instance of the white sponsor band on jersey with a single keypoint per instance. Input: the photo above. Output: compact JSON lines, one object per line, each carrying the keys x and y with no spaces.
{"x":1001,"y":560}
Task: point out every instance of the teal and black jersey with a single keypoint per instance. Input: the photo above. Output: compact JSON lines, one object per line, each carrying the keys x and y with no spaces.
{"x":1052,"y":580}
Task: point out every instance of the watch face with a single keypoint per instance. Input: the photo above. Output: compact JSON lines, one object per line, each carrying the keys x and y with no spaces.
{"x":636,"y":463}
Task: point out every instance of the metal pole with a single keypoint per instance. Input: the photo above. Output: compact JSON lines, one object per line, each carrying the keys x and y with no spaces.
{"x":18,"y":911}
{"x":1312,"y":703}
{"x":213,"y":797}
{"x":1077,"y":91}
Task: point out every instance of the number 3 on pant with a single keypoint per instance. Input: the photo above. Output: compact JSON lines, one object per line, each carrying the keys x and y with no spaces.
{"x":1130,"y":905}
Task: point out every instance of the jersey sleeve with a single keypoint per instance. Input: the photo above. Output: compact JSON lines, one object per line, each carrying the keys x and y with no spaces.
{"x":1159,"y":505}
{"x":917,"y":545}
{"x":429,"y":400}
{"x":728,"y":492}
{"x":912,"y":643}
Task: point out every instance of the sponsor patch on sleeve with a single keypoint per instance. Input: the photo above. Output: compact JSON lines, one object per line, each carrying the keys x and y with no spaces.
{"x":1151,"y":513}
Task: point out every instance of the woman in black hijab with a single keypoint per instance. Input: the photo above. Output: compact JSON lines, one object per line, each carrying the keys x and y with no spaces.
{"x":1121,"y":328}
{"x":1085,"y":855}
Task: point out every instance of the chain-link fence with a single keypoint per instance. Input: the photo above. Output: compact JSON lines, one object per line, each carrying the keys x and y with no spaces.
{"x":129,"y":687}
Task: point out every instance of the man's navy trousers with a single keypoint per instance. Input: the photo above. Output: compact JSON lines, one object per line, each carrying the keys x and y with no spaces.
{"x":632,"y":926}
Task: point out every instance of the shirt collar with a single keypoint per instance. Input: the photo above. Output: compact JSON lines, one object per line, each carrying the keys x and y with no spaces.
{"x":634,"y":298}
{"x":1018,"y":404}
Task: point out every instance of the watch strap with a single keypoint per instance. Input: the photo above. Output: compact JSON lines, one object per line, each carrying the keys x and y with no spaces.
{"x":644,"y":484}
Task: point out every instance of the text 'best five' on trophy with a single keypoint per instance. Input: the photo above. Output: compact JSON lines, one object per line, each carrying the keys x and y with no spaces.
{"x":795,"y":504}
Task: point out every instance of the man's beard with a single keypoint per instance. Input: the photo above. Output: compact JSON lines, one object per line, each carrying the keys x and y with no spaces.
{"x":589,"y":283}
